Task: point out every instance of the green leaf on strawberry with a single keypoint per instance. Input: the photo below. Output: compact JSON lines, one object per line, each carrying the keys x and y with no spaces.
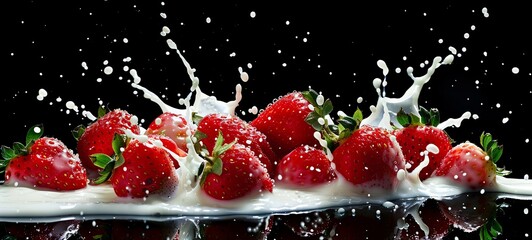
{"x":109,"y":163}
{"x":493,"y":151}
{"x":318,"y":119}
{"x":214,"y":163}
{"x":19,"y":149}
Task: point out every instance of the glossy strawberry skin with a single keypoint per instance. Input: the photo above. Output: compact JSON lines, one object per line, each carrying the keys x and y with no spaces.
{"x":468,"y":165}
{"x":243,"y":174}
{"x":50,"y":165}
{"x":283,"y":122}
{"x":370,"y":158}
{"x":235,"y":128}
{"x":305,"y":166}
{"x":172,"y":125}
{"x":414,"y":140}
{"x":147,"y":169}
{"x":98,"y":136}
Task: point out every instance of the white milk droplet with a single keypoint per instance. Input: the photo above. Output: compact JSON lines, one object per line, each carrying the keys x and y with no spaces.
{"x":108,"y":70}
{"x":515,"y":70}
{"x":252,"y":14}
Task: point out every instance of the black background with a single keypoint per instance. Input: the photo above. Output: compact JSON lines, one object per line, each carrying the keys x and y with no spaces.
{"x":330,"y":47}
{"x":44,"y":44}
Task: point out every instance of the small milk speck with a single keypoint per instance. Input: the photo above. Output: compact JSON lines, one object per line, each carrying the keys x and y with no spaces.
{"x":515,"y":70}
{"x":505,"y":120}
{"x":208,"y":20}
{"x":252,"y":14}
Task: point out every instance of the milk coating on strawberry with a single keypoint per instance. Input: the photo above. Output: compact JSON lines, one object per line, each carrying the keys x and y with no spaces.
{"x":471,"y":165}
{"x":172,"y":125}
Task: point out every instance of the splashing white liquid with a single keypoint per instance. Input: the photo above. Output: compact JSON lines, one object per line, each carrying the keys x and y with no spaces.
{"x":188,"y":200}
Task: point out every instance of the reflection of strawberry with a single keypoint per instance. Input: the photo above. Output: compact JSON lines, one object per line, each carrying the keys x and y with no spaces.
{"x":417,"y":134}
{"x":283,"y":122}
{"x":142,"y":169}
{"x":234,"y":128}
{"x":308,"y":225}
{"x":98,"y":136}
{"x":172,"y":125}
{"x":42,"y":231}
{"x":43,"y":162}
{"x":472,"y":212}
{"x":233,"y":171}
{"x":140,"y":229}
{"x":472,"y":166}
{"x":370,"y":158}
{"x":305,"y":166}
{"x":432,"y":216}
{"x":364,"y":222}
{"x":243,"y":228}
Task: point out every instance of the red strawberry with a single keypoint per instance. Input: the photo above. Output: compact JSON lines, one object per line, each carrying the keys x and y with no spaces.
{"x":370,"y":158}
{"x":98,"y":136}
{"x":283,"y":122}
{"x":142,"y":169}
{"x":233,"y":171}
{"x":417,"y":134}
{"x":234,"y":128}
{"x":44,"y":162}
{"x":170,"y":145}
{"x":172,"y":125}
{"x":472,"y":166}
{"x":305,"y":166}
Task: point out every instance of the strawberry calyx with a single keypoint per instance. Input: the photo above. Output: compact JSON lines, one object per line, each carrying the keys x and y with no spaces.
{"x":426,"y":117}
{"x":492,"y":228}
{"x":319,"y":119}
{"x":20,"y":149}
{"x":213,"y":163}
{"x":109,"y":163}
{"x":493,"y":150}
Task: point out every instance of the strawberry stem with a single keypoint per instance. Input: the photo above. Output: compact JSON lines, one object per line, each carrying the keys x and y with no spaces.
{"x":319,"y":119}
{"x":214,"y":163}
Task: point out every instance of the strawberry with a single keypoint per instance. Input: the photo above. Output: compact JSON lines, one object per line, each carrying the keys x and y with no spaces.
{"x":233,"y":171}
{"x":472,"y":166}
{"x":305,"y":166}
{"x":283,"y":122}
{"x":144,"y":168}
{"x":416,"y":134}
{"x":234,"y":128}
{"x":44,"y":162}
{"x":170,"y":145}
{"x":370,"y":158}
{"x":98,"y":136}
{"x":172,"y":125}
